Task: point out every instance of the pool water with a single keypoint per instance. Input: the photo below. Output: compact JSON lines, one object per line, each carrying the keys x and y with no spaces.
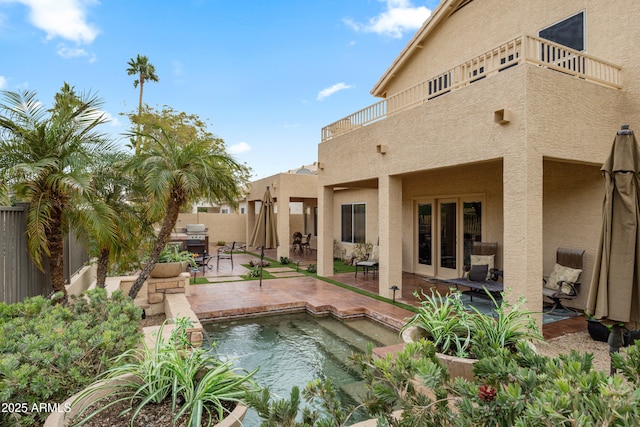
{"x":293,"y":349}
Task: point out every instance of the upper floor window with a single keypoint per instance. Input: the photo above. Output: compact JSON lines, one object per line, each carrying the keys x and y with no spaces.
{"x":568,"y":32}
{"x":353,"y":223}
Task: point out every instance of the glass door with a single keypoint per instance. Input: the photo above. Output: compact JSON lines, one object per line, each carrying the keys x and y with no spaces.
{"x":424,"y":239}
{"x":472,"y":226}
{"x":447,"y":239}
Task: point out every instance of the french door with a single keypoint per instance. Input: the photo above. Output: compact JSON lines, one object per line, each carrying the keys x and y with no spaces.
{"x":445,"y":230}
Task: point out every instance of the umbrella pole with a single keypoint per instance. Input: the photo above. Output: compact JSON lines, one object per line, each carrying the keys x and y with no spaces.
{"x":615,"y":341}
{"x":261,"y":263}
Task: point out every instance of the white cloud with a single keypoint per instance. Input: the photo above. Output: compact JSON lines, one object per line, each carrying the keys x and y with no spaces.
{"x":3,"y":82}
{"x":112,"y":120}
{"x":62,"y":18}
{"x":331,"y":90}
{"x":239,"y":148}
{"x":399,"y":17}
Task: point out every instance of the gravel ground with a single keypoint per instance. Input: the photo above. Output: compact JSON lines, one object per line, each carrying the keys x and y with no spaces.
{"x":581,"y":342}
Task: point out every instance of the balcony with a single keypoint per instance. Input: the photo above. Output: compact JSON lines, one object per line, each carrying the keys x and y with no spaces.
{"x":524,"y":49}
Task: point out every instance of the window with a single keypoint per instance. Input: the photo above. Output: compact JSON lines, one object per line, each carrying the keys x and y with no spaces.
{"x":353,"y":223}
{"x":569,"y":32}
{"x":225,"y":210}
{"x":241,"y":210}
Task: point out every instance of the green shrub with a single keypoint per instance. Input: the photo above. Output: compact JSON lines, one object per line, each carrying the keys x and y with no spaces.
{"x":472,"y":334}
{"x":193,"y":378}
{"x":50,"y":351}
{"x":253,"y":273}
{"x":311,"y":268}
{"x":284,"y":260}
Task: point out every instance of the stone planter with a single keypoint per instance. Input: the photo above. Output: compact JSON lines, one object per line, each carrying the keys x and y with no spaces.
{"x":168,"y":269}
{"x":457,"y":366}
{"x":67,"y":412}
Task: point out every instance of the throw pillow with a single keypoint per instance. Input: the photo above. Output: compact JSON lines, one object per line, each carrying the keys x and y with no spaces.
{"x":484,"y":260}
{"x":559,"y":274}
{"x":478,"y":273}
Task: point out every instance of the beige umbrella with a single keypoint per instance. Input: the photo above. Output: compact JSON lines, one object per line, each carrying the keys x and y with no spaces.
{"x":614,"y":294}
{"x":265,"y":231}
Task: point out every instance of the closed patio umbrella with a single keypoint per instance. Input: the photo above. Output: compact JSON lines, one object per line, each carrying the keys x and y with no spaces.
{"x":614,"y":294}
{"x":265,"y":231}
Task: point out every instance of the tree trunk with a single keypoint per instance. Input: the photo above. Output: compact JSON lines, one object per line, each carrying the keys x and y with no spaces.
{"x":175,"y":203}
{"x":103,"y":264}
{"x":139,"y":114}
{"x":56,"y":252}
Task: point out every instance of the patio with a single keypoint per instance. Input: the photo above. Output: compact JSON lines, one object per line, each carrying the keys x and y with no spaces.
{"x":229,"y":296}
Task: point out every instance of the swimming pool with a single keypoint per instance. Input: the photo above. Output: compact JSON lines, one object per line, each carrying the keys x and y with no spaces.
{"x":293,"y":349}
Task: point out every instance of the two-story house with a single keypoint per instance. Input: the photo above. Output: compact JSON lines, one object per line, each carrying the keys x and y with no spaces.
{"x":493,"y":124}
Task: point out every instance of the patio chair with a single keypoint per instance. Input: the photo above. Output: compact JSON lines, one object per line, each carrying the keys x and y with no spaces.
{"x":306,"y":245}
{"x":371,"y":262}
{"x":563,"y":282}
{"x":225,"y":252}
{"x":481,"y":275}
{"x":297,"y":241}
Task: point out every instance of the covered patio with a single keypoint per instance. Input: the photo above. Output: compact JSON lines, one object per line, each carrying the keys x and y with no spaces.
{"x":243,"y":298}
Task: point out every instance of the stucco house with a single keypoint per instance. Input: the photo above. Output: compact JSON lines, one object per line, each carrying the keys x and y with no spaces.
{"x":297,"y":191}
{"x":493,"y":124}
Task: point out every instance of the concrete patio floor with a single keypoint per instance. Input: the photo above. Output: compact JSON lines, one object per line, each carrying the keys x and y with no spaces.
{"x":228,"y":296}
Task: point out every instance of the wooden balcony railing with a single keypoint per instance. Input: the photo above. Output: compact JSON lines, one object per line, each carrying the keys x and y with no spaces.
{"x":529,"y":49}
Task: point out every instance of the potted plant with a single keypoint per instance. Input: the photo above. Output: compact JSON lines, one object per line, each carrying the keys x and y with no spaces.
{"x":598,"y":331}
{"x":190,"y":383}
{"x":463,"y":336}
{"x":172,"y":262}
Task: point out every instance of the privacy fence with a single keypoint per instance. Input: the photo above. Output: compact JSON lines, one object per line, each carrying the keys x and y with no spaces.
{"x":19,"y":277}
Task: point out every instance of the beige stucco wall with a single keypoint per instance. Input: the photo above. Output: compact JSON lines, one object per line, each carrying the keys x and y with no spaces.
{"x":573,"y":196}
{"x":360,"y":195}
{"x":611,"y":32}
{"x":221,"y":227}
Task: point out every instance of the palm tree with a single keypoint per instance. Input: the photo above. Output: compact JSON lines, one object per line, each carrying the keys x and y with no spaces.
{"x":44,"y":158}
{"x":180,"y":163}
{"x":114,"y":187}
{"x":145,"y":71}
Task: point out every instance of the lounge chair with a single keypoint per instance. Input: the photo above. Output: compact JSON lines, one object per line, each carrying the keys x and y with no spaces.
{"x":563,"y":282}
{"x":481,"y":276}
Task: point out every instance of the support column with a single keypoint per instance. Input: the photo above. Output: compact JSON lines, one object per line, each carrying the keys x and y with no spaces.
{"x":390,"y":229}
{"x":284,"y":225}
{"x":325,"y":231}
{"x":523,"y":221}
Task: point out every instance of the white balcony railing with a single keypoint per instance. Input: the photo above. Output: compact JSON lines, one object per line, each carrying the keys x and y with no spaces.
{"x":530,"y":49}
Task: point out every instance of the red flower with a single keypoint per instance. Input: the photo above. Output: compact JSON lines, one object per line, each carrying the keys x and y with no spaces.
{"x":486,"y":393}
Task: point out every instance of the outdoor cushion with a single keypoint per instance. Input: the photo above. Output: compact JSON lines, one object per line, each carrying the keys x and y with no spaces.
{"x":559,"y":274}
{"x":484,"y":260}
{"x":478,"y":272}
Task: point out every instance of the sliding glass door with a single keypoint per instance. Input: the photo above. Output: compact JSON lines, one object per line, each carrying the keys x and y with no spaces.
{"x":445,"y":231}
{"x":448,"y":238}
{"x":424,"y":238}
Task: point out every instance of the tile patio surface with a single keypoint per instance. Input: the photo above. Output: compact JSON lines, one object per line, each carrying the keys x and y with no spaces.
{"x":227,"y":296}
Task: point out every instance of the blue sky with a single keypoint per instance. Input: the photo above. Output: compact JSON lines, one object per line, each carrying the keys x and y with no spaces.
{"x":266,"y":75}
